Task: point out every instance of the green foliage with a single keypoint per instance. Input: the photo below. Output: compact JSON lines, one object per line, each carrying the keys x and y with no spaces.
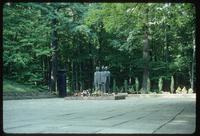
{"x":25,"y":40}
{"x":131,"y":90}
{"x":94,"y":34}
{"x":10,"y":86}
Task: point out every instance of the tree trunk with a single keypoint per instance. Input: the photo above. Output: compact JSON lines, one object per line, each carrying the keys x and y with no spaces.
{"x":54,"y":58}
{"x":100,"y":58}
{"x":91,"y":67}
{"x":166,"y":46}
{"x":76,"y":76}
{"x":49,"y":74}
{"x":99,"y":55}
{"x":72,"y":81}
{"x":146,"y":56}
{"x":193,"y":63}
{"x":80,"y":77}
{"x":43,"y":68}
{"x":129,"y":72}
{"x":91,"y":74}
{"x":145,"y":77}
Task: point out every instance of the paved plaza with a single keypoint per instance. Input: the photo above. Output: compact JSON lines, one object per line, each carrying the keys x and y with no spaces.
{"x":171,"y":115}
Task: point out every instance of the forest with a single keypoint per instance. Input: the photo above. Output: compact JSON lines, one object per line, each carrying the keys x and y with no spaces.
{"x":148,"y":47}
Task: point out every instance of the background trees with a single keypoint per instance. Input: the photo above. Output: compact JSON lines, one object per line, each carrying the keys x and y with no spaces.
{"x":134,"y":40}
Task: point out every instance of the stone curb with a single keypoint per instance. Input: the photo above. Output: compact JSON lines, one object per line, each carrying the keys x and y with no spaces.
{"x":117,"y":97}
{"x":164,"y":95}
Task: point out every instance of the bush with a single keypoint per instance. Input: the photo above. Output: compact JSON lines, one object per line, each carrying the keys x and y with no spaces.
{"x":156,"y":90}
{"x":190,"y":91}
{"x":178,"y":90}
{"x":69,"y":92}
{"x":131,"y":90}
{"x":184,"y":90}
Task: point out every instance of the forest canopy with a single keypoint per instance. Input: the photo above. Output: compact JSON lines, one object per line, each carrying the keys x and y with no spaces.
{"x":137,"y":41}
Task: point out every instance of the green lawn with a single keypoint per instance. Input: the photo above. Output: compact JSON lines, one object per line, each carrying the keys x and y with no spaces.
{"x":12,"y":86}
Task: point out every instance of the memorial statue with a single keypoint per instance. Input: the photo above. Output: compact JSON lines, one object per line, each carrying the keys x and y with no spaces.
{"x":97,"y":79}
{"x":102,"y":79}
{"x":107,"y":79}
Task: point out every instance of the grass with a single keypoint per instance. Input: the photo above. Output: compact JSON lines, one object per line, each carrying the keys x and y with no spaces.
{"x":12,"y":86}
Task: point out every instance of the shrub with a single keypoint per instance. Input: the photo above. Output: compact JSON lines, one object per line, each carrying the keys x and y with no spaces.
{"x":131,"y":90}
{"x":190,"y":91}
{"x":184,"y":90}
{"x":178,"y":90}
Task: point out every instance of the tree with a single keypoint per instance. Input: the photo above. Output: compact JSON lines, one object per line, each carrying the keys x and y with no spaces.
{"x":153,"y":40}
{"x":136,"y":84}
{"x":22,"y":46}
{"x":172,"y":85}
{"x":160,"y":84}
{"x":193,"y":64}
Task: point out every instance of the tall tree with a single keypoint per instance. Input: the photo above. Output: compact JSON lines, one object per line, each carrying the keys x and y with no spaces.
{"x":146,"y":55}
{"x":133,"y":39}
{"x":54,"y":64}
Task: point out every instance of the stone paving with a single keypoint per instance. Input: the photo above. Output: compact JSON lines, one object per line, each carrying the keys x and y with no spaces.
{"x":171,"y":115}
